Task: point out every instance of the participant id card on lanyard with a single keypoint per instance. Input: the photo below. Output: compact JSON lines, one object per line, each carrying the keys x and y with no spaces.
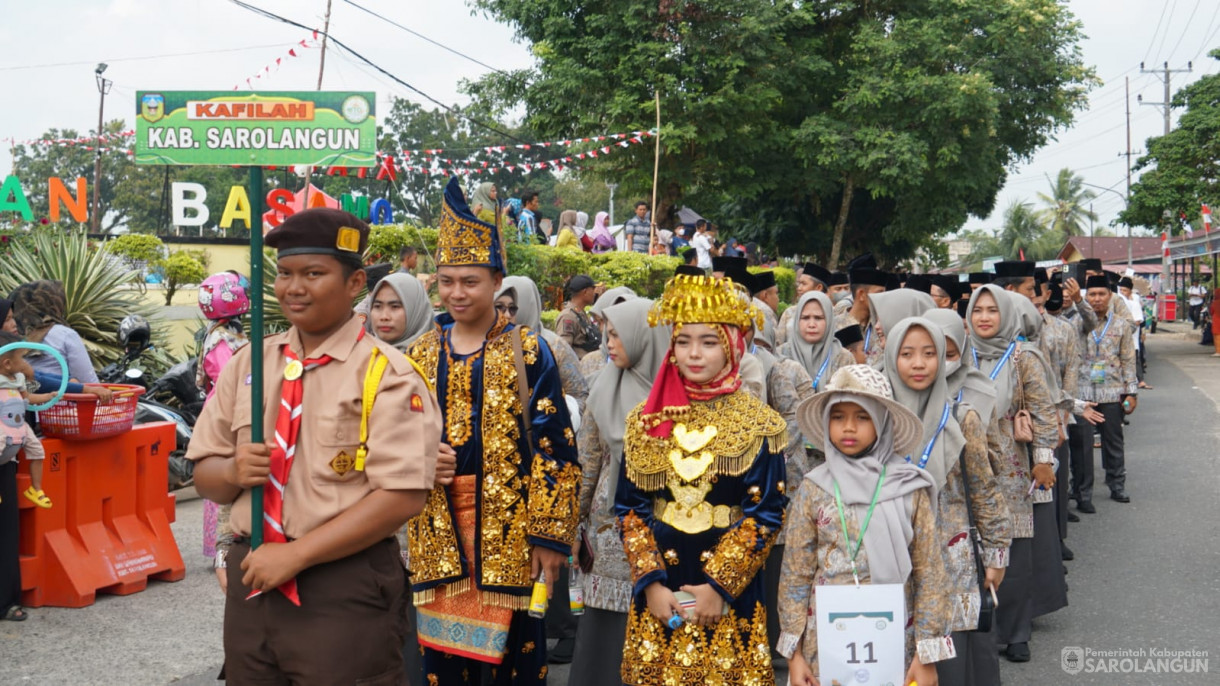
{"x":861,"y":634}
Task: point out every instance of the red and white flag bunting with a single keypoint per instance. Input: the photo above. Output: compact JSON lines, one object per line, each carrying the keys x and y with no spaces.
{"x":294,"y":51}
{"x":622,"y":139}
{"x":83,"y":140}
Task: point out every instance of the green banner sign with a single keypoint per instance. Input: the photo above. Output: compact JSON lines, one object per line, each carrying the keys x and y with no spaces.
{"x":318,"y":128}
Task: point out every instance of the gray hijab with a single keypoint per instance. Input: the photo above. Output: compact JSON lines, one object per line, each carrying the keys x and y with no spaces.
{"x":616,"y":392}
{"x":891,"y":307}
{"x":977,"y":391}
{"x":811,"y":356}
{"x":610,"y":298}
{"x":930,"y":403}
{"x":888,"y":537}
{"x":989,"y":351}
{"x":415,"y":303}
{"x":1031,"y":323}
{"x":529,"y":305}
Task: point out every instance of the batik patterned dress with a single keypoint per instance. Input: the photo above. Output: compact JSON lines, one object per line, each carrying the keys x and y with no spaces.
{"x":817,"y":555}
{"x":1014,"y":469}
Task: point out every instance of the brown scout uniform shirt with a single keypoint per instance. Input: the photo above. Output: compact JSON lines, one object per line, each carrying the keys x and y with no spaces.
{"x":404,"y":427}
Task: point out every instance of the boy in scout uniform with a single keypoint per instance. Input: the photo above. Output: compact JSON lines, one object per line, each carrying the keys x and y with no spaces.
{"x":322,"y":600}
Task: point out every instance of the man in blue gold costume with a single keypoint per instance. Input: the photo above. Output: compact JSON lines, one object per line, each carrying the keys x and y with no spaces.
{"x":700,"y":499}
{"x":510,"y":513}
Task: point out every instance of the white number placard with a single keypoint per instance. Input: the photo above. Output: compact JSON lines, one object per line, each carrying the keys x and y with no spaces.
{"x":861,"y":635}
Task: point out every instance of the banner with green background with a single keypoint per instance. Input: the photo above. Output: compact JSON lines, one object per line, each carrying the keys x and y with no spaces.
{"x":319,"y":128}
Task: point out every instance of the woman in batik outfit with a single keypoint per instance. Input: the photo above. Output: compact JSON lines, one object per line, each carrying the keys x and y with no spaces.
{"x":637,"y":352}
{"x":915,"y":366}
{"x":995,"y":348}
{"x":701,"y":499}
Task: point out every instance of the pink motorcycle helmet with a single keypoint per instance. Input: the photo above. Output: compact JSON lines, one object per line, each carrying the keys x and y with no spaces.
{"x":222,"y":296}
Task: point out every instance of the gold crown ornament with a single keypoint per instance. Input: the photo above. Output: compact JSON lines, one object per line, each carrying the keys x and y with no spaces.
{"x":690,"y":299}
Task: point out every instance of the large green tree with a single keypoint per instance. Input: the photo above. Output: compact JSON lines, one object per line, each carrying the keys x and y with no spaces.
{"x":820,"y":128}
{"x":1182,"y":169}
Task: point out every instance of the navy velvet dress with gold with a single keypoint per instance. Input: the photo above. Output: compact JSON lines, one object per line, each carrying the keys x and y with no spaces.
{"x":702,"y":506}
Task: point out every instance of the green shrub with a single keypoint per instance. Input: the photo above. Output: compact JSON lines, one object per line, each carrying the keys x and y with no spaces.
{"x":548,"y":267}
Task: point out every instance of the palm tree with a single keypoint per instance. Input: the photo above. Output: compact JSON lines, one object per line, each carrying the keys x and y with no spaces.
{"x":1021,"y":233}
{"x":1066,"y":208}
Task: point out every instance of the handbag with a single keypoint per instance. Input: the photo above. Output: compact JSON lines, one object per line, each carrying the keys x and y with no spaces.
{"x":1022,"y":420}
{"x":986,"y":601}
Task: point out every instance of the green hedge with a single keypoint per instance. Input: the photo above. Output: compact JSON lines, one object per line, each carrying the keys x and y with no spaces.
{"x":548,"y":267}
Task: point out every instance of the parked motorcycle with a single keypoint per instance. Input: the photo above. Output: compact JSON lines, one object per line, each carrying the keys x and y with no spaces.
{"x":176,"y":386}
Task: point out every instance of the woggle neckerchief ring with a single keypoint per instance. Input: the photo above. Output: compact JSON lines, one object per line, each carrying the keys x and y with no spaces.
{"x":63,"y":370}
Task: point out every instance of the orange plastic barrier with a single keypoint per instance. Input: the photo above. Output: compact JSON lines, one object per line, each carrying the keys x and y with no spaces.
{"x":109,"y":528}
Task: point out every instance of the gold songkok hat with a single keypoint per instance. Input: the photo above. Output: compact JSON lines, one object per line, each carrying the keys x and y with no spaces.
{"x":692,"y":299}
{"x":463,"y":240}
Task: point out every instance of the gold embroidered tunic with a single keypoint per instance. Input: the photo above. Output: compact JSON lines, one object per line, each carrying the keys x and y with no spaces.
{"x":526,"y":494}
{"x":702,"y":506}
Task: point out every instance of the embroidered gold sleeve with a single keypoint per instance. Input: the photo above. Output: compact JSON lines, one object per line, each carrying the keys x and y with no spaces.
{"x":553,"y":508}
{"x":641,"y":547}
{"x":739,"y":555}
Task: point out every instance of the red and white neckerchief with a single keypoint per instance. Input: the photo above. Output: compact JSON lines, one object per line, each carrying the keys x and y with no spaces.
{"x":287,"y":428}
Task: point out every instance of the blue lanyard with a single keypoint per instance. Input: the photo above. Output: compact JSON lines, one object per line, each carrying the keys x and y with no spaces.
{"x":868,"y":336}
{"x":1003,"y":360}
{"x":1097,"y":339}
{"x":817,"y":379}
{"x":927,"y":452}
{"x":959,"y":395}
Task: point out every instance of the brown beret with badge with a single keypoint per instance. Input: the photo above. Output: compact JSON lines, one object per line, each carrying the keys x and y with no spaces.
{"x":320,"y":231}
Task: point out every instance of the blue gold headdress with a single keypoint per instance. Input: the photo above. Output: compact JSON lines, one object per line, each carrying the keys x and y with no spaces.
{"x":464,"y":241}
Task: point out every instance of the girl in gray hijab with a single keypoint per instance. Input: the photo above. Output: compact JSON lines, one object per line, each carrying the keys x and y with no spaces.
{"x":916,"y":368}
{"x":822,"y":356}
{"x":997,"y":348}
{"x":969,"y":388}
{"x":865,"y":516}
{"x":399,"y":310}
{"x":637,"y":351}
{"x":886,"y":309}
{"x":594,"y":362}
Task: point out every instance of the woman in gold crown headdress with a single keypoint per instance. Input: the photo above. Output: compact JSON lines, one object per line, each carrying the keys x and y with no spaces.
{"x":701,"y":499}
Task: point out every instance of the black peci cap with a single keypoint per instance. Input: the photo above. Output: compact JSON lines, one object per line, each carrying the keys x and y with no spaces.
{"x":1014,"y":270}
{"x":949,"y":283}
{"x":981,"y":277}
{"x":730,"y":265}
{"x":689,"y":270}
{"x":816,"y":271}
{"x":849,"y":336}
{"x":1091,"y":264}
{"x":1126,"y":282}
{"x":919,"y":282}
{"x":759,"y":282}
{"x":864,"y":276}
{"x":1097,"y":281}
{"x":837,"y":279}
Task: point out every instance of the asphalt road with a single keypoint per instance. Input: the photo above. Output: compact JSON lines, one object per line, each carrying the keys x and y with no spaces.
{"x":1144,"y":577}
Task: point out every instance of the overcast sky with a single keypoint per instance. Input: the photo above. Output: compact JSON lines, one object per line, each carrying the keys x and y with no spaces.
{"x":51,"y":48}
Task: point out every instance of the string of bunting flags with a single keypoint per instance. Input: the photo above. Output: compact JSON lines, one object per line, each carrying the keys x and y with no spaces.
{"x":83,"y":140}
{"x":489,"y":149}
{"x":389,"y":166}
{"x":303,"y":44}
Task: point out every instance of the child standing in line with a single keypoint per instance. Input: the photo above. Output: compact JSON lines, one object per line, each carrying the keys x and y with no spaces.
{"x":866,"y":435}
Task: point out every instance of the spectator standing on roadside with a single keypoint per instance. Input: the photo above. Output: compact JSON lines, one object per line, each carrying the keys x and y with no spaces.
{"x":638,"y":231}
{"x":527,"y":221}
{"x":702,"y":243}
{"x":1196,"y":295}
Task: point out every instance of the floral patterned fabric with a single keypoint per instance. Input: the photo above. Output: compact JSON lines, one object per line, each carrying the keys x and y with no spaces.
{"x":816,"y":555}
{"x":1107,"y":362}
{"x":608,"y":585}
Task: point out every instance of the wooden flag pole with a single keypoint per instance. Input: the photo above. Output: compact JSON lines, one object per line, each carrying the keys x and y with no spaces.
{"x":656,"y":166}
{"x":256,"y":343}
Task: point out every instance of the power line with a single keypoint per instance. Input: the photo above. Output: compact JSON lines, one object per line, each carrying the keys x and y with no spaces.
{"x":1155,"y":31}
{"x":1172,"y":7}
{"x":456,"y":112}
{"x":1206,"y":31}
{"x":134,"y":59}
{"x":1177,"y":44}
{"x":422,"y":37}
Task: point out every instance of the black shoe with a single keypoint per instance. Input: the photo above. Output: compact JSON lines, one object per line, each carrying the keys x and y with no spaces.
{"x":1120,"y":496}
{"x":1086,"y":507}
{"x":561,"y":654}
{"x":1067,"y":554}
{"x":1073,"y":517}
{"x":1017,"y":652}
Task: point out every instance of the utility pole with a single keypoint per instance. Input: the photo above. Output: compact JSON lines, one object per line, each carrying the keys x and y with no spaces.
{"x":321,"y":70}
{"x":1166,"y":74}
{"x":103,"y":87}
{"x":611,"y":186}
{"x":1127,"y":82}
